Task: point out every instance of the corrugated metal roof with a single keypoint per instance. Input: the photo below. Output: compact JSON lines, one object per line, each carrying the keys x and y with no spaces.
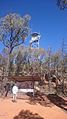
{"x":25,"y":78}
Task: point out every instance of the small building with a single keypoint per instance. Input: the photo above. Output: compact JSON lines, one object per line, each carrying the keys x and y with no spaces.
{"x":25,"y":83}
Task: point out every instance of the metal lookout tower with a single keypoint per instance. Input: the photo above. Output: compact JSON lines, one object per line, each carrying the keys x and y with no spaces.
{"x":34,"y":42}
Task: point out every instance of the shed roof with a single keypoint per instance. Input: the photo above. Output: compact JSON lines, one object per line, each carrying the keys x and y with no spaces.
{"x":25,"y":78}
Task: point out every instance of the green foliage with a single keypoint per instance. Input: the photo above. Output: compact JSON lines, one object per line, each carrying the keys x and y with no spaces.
{"x":62,"y":4}
{"x":13,"y":30}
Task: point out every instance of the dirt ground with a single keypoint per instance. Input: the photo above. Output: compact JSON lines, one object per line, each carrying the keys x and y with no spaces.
{"x":9,"y":109}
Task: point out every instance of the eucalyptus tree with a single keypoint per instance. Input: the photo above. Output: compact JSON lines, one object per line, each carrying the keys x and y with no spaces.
{"x":62,"y":4}
{"x":21,"y":60}
{"x":37,"y":57}
{"x":14,"y":29}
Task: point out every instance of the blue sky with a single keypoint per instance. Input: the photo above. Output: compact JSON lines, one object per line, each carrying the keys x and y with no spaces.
{"x":46,"y":18}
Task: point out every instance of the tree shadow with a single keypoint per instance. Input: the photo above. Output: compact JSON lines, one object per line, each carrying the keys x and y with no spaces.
{"x":40,"y":99}
{"x":26,"y":114}
{"x":58,"y":101}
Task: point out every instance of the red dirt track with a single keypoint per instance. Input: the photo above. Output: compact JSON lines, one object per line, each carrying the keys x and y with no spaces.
{"x":9,"y":109}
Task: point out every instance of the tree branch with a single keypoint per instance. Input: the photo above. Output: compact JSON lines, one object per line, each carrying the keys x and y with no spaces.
{"x":18,"y":44}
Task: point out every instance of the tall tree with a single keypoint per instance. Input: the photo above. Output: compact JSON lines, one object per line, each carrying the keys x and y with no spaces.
{"x":14,"y":29}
